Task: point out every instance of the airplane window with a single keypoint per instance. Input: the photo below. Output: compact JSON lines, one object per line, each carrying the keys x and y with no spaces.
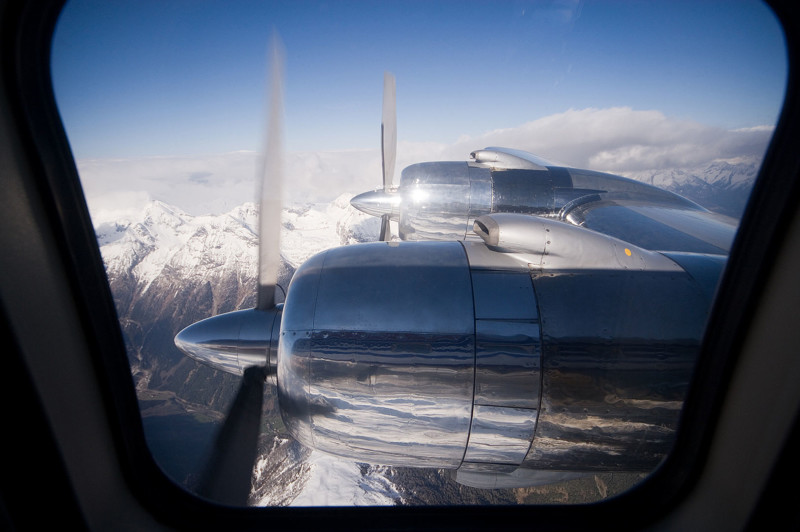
{"x":503,"y":224}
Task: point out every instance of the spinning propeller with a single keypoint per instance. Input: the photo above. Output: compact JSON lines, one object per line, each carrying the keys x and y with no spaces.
{"x":245,"y":342}
{"x":384,"y":202}
{"x":388,"y":144}
{"x":241,"y":342}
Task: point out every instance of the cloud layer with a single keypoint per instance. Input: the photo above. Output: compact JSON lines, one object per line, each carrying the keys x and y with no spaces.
{"x":618,"y":140}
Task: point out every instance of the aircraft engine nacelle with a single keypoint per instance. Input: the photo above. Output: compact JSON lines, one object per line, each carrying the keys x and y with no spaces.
{"x":377,"y":354}
{"x":441,"y":200}
{"x":451,"y":355}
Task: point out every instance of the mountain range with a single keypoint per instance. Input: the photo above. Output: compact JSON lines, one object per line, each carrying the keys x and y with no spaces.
{"x":720,"y":186}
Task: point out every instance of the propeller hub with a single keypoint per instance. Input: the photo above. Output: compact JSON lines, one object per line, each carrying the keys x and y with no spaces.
{"x":378,"y":203}
{"x":234,"y":341}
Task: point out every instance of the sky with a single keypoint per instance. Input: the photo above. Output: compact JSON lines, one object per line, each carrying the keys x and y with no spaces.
{"x":165,"y":100}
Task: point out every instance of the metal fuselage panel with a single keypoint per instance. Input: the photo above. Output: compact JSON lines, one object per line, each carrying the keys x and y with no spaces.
{"x":657,"y":227}
{"x":507,"y":370}
{"x":618,"y":351}
{"x":479,"y":363}
{"x":440,"y":198}
{"x":435,"y":375}
{"x":382,"y":368}
{"x":487,"y":363}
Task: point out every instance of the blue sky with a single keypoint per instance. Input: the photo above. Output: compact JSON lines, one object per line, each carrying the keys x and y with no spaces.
{"x":186,"y":78}
{"x":157,"y":78}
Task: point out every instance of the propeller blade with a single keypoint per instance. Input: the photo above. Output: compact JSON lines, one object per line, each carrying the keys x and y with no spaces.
{"x":389,"y":130}
{"x":388,"y":144}
{"x":271,"y":185}
{"x":227,"y":478}
{"x":228,"y":474}
{"x":386,"y":230}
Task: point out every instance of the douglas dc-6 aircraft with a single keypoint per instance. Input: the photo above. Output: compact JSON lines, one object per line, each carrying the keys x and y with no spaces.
{"x":532,"y":323}
{"x":74,"y":450}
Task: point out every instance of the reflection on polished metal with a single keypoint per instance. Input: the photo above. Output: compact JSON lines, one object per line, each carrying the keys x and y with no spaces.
{"x":234,"y":341}
{"x":441,"y":200}
{"x":500,"y":435}
{"x":378,"y":203}
{"x":388,"y":379}
{"x":478,"y":476}
{"x":555,"y":340}
{"x":561,"y":246}
{"x":437,"y":200}
{"x":507,"y":369}
{"x":405,"y":379}
{"x":660,"y":227}
{"x":507,"y":363}
{"x":613,"y":382}
{"x":477,"y":360}
{"x":510,"y":158}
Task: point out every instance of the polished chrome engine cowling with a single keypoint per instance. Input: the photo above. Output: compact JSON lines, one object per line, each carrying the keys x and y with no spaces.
{"x":432,"y":373}
{"x":440,"y":200}
{"x":510,"y":369}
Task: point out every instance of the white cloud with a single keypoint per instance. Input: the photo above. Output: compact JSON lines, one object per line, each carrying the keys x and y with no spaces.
{"x":618,"y":140}
{"x":622,"y":140}
{"x":116,"y":206}
{"x":213,"y":183}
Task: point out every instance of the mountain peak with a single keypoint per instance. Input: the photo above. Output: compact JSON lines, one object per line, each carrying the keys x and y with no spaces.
{"x":722,"y":186}
{"x":164,"y":236}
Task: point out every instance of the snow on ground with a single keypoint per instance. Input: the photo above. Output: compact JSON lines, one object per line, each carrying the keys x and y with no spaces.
{"x":164,"y":236}
{"x":312,"y":228}
{"x":337,"y":482}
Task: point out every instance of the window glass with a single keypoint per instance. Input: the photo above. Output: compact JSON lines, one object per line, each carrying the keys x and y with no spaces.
{"x":566,"y":385}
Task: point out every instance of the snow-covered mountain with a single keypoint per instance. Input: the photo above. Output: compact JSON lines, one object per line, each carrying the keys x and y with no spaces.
{"x":167,"y":241}
{"x":289,"y":475}
{"x":175,"y":268}
{"x":168,"y":269}
{"x":720,"y":186}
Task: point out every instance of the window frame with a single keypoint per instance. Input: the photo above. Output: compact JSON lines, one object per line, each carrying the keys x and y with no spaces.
{"x":54,"y":194}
